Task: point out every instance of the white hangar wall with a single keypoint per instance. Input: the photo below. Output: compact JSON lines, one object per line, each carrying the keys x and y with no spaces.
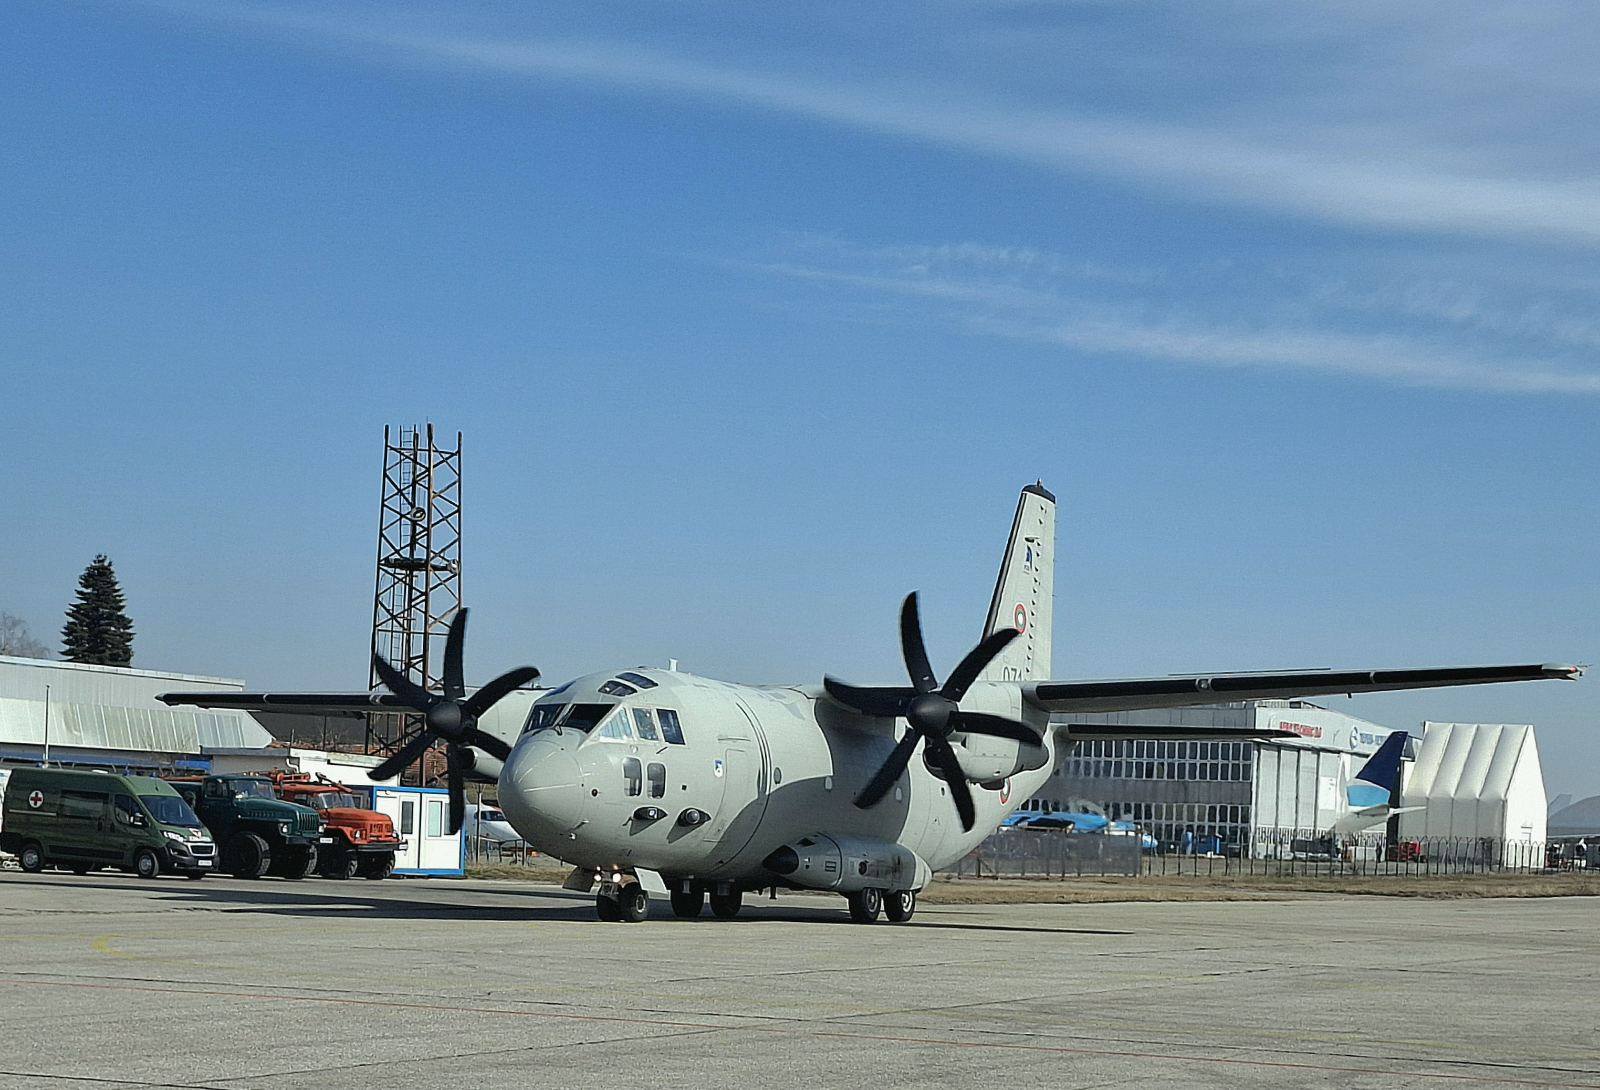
{"x":1476,"y":781}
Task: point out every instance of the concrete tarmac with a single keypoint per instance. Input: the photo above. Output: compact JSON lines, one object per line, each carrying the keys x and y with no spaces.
{"x":107,"y":981}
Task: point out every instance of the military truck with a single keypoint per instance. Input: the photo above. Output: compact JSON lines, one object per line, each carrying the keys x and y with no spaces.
{"x":359,"y":841}
{"x":256,"y":831}
{"x":84,"y":820}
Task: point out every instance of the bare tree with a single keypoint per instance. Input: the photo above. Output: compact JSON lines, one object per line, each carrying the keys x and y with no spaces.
{"x":15,"y":639}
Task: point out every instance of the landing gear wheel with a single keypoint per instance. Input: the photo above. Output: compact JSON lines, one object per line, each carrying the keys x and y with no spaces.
{"x":633,"y":903}
{"x":146,"y":864}
{"x":865,"y":905}
{"x":687,"y":906}
{"x":247,"y":856}
{"x":607,"y":908}
{"x":374,"y":868}
{"x":725,"y":906}
{"x":900,"y":905}
{"x":32,"y":858}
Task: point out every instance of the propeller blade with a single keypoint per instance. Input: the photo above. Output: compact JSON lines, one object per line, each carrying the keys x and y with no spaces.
{"x":414,"y":696}
{"x":492,"y":693}
{"x":881,"y":700}
{"x":911,"y":646}
{"x":892,"y":770}
{"x":962,"y":677}
{"x":455,"y":686}
{"x":458,"y":790}
{"x":402,"y":758}
{"x":955,"y":779}
{"x":487,"y":742}
{"x":997,"y":726}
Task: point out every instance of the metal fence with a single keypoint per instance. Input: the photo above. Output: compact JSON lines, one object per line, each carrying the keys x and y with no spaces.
{"x":1050,"y":853}
{"x":1058,"y":853}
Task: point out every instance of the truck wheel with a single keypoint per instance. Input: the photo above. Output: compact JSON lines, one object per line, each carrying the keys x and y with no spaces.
{"x":375,"y":868}
{"x":248,"y":856}
{"x":295,"y":863}
{"x":900,"y":905}
{"x":634,"y":903}
{"x":146,"y":864}
{"x":32,"y":858}
{"x":340,"y":864}
{"x":865,"y":905}
{"x":686,"y":906}
{"x":725,"y":906}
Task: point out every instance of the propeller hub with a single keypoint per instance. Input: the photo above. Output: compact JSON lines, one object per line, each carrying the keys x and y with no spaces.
{"x":445,"y":719}
{"x":930,"y":713}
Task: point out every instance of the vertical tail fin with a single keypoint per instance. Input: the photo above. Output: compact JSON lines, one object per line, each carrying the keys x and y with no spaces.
{"x":1378,"y":782}
{"x":1024,"y":595}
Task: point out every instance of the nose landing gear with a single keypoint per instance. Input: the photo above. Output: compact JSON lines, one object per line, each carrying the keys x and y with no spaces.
{"x":626,"y":902}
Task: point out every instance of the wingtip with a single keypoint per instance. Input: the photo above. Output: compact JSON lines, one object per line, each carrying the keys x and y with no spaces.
{"x":1564,"y":671}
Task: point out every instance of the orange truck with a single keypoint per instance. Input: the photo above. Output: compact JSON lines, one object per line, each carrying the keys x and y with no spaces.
{"x":363,"y":841}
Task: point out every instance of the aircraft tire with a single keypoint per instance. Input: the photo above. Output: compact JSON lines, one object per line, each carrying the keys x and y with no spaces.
{"x":688,"y":905}
{"x":607,"y":908}
{"x":633,"y":904}
{"x":900,"y":905}
{"x":866,"y":905}
{"x":725,"y":906}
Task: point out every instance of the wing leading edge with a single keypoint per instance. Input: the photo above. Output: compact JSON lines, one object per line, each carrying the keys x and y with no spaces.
{"x":354,"y":705}
{"x":1178,"y":692}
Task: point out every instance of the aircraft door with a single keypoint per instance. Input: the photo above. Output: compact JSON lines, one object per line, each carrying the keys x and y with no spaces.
{"x":743,"y":771}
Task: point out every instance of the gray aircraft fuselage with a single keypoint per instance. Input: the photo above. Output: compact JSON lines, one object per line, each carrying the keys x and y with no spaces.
{"x":766,"y":766}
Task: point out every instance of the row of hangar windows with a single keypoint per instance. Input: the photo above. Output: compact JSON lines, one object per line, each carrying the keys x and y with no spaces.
{"x":1149,"y":759}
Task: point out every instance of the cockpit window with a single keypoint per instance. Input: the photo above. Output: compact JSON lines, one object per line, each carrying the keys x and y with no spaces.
{"x":644,"y":723}
{"x":542,"y":716}
{"x":617,"y":688}
{"x":583,"y":717}
{"x":638,"y":679}
{"x":615,"y":727}
{"x":670,"y":729}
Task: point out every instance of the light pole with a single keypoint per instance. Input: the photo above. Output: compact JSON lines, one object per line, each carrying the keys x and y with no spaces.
{"x":46,"y":760}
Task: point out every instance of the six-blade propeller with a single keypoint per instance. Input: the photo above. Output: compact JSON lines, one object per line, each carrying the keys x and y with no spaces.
{"x":450,"y":717}
{"x":931,"y":711}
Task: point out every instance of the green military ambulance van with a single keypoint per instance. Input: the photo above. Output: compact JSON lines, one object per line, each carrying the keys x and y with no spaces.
{"x":84,"y":821}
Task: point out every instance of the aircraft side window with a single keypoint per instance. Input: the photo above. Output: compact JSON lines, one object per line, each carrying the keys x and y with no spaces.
{"x":630,"y":775}
{"x":644,"y":724}
{"x":671,"y":730}
{"x":658,"y":779}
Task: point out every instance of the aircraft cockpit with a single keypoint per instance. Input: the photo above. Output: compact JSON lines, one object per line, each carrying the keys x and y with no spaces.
{"x":609,"y":720}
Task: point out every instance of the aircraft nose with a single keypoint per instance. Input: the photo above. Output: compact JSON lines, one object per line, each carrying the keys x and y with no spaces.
{"x":541,"y":787}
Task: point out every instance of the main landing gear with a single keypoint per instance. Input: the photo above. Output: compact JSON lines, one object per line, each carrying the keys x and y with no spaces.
{"x":866,"y":905}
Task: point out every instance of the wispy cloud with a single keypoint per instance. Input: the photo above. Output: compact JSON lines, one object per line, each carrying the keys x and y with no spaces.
{"x":1033,"y":310}
{"x":1362,"y":177}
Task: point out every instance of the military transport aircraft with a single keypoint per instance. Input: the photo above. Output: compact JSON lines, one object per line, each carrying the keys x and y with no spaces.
{"x":658,"y":781}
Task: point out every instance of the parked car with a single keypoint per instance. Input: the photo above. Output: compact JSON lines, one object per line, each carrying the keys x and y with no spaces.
{"x":84,"y":821}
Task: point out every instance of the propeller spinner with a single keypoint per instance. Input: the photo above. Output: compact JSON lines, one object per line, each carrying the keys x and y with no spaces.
{"x":931,"y":711}
{"x":450,"y":717}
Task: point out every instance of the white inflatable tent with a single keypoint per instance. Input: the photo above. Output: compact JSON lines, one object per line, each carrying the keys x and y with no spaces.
{"x":1476,"y":781}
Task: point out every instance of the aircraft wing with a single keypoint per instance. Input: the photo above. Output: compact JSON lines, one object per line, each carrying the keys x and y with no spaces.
{"x":353,"y":705}
{"x":1177,"y":692}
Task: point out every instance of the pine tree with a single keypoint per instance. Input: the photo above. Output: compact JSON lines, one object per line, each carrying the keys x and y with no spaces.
{"x":97,"y":629}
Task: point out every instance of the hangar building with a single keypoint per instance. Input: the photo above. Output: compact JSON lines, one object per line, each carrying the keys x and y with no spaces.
{"x":1473,"y":781}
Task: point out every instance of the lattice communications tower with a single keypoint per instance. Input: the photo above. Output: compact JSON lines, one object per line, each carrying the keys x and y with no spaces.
{"x":419,"y":567}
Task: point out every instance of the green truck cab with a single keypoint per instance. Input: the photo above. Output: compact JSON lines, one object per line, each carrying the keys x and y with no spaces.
{"x":84,"y":821}
{"x":256,"y":831}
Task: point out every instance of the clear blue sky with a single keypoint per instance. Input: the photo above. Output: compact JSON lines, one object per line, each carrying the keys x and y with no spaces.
{"x":757,"y":318}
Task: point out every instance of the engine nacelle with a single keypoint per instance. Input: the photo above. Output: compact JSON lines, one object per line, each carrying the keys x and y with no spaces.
{"x":845,"y":864}
{"x":985,"y":758}
{"x":480,"y":766}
